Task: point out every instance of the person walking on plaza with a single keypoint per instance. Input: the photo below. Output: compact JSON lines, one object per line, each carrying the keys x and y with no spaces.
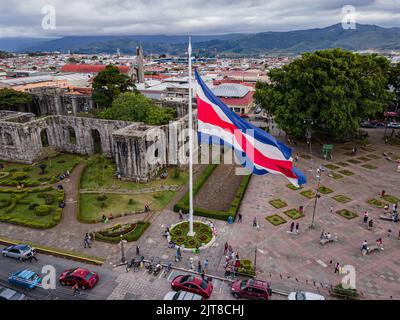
{"x":76,"y":290}
{"x":137,"y":250}
{"x":86,"y":241}
{"x":226,"y":248}
{"x":240,"y":218}
{"x":255,"y":222}
{"x":205,"y":265}
{"x":180,"y":215}
{"x":178,"y":255}
{"x":32,"y":256}
{"x":292,"y":227}
{"x":297,"y":227}
{"x":365,"y":216}
{"x":199,"y":267}
{"x":203,"y":275}
{"x":331,"y":209}
{"x":337,"y":267}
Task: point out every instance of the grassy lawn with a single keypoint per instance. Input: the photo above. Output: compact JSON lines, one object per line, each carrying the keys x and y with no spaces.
{"x":369,"y":166}
{"x":203,"y":235}
{"x":324,"y":190}
{"x":92,"y":206}
{"x":292,"y":187}
{"x":294,"y":214}
{"x":277,"y":203}
{"x":364,"y":159}
{"x":100,"y":173}
{"x":336,"y":176}
{"x":354,"y":161}
{"x":31,"y":175}
{"x":391,"y":199}
{"x":129,"y":232}
{"x":373,"y":156}
{"x":347,"y":214}
{"x":21,"y":208}
{"x":342,"y":198}
{"x":376,"y":203}
{"x":276,"y":220}
{"x":346,"y":172}
{"x":331,"y":166}
{"x":309,"y":194}
{"x":343,"y":164}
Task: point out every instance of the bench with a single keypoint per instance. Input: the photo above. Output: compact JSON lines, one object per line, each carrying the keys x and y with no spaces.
{"x":370,"y":250}
{"x":324,"y":241}
{"x":387,"y":218}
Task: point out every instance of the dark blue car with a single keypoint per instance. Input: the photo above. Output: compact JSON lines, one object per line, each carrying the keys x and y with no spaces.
{"x":25,"y":278}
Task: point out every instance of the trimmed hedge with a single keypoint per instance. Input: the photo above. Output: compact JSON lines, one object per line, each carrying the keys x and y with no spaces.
{"x":133,"y":235}
{"x":42,"y":210}
{"x":183,"y":204}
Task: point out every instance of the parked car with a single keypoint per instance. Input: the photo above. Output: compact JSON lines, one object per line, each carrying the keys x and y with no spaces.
{"x":367,"y":124}
{"x":26,"y":278}
{"x":9,"y":294}
{"x":251,"y":289}
{"x":378,"y":123}
{"x":302,"y":295}
{"x":394,"y":125}
{"x":19,"y":251}
{"x":84,"y":278}
{"x":192,"y":284}
{"x":182,"y":295}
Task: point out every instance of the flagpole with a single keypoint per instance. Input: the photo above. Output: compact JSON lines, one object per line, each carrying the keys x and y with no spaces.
{"x":191,"y":231}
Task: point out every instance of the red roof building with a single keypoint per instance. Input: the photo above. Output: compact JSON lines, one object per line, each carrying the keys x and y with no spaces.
{"x":90,"y":68}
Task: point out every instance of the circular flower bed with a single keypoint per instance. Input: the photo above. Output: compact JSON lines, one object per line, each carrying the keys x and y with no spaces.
{"x":203,"y":235}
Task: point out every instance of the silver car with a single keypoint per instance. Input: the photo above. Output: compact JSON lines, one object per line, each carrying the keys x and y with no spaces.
{"x":182,"y":295}
{"x":20,"y":251}
{"x":8,"y":294}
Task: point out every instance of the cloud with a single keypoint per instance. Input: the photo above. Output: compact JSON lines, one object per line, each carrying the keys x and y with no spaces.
{"x":123,"y":17}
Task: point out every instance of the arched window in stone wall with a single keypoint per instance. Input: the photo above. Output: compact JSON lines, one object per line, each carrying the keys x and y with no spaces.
{"x":7,"y":139}
{"x":96,"y":138}
{"x":71,"y":135}
{"x":44,"y":137}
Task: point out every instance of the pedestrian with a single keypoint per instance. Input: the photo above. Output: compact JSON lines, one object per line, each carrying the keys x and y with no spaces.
{"x":226,"y":248}
{"x":86,"y":241}
{"x":255,"y":222}
{"x":199,"y":267}
{"x":240,"y":218}
{"x":364,"y":246}
{"x":365,"y":216}
{"x":399,"y":235}
{"x":383,"y":193}
{"x":331,"y":209}
{"x":32,"y":256}
{"x":137,"y":250}
{"x":178,"y":254}
{"x":292,"y":227}
{"x":180,"y":215}
{"x":205,"y":265}
{"x":76,"y":289}
{"x":389,"y":233}
{"x":203,"y":275}
{"x":297,"y":227}
{"x":337,"y":267}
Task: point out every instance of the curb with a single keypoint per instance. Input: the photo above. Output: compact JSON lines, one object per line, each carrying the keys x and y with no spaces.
{"x":54,"y":252}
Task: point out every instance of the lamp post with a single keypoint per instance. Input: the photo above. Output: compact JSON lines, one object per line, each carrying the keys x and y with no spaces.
{"x":123,"y":260}
{"x":317,"y":196}
{"x":255,"y":259}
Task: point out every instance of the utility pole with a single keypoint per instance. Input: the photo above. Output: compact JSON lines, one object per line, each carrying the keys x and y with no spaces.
{"x":255,"y":259}
{"x":317,"y":196}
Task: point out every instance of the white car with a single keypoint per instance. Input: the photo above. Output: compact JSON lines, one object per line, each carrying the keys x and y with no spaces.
{"x":394,"y":125}
{"x":302,"y":295}
{"x":182,"y":295}
{"x":8,"y":294}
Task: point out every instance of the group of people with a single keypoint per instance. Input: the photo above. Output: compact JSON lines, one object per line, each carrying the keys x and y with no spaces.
{"x":64,"y":175}
{"x":87,"y":240}
{"x":325,"y":235}
{"x":294,"y":228}
{"x":232,"y":260}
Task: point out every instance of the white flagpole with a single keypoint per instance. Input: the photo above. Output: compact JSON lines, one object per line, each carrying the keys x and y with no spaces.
{"x":191,"y":231}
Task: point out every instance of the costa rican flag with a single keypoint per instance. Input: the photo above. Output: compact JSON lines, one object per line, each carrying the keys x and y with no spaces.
{"x":257,"y":150}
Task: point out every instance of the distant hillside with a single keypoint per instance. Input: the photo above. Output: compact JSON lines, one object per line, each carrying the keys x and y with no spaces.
{"x":364,"y":37}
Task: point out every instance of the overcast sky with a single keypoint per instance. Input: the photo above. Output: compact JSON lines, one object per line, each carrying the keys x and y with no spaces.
{"x":121,"y":17}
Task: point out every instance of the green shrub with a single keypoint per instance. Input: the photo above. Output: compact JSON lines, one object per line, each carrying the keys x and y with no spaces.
{"x":348,"y":292}
{"x":42,"y":210}
{"x":102,"y":197}
{"x":133,"y":235}
{"x":19,"y":175}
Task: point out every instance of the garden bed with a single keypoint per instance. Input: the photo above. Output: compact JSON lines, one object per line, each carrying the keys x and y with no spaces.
{"x":342,"y":198}
{"x":293,"y":187}
{"x":369,"y":166}
{"x":346,"y":172}
{"x":309,"y":194}
{"x":294,"y":214}
{"x":203,"y":235}
{"x":324,"y":190}
{"x":276,"y":220}
{"x":391,"y":199}
{"x":376,"y":203}
{"x":336,"y":176}
{"x":129,"y":232}
{"x":354,"y":161}
{"x":277,"y":203}
{"x":347,"y":214}
{"x":332,"y":166}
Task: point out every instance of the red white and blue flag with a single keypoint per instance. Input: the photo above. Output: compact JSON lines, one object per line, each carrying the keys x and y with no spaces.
{"x":257,"y":150}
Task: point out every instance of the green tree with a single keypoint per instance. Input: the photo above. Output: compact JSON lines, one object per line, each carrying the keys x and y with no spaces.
{"x":108,"y":84}
{"x":394,"y":82}
{"x":336,"y":88}
{"x":10,"y":99}
{"x":133,"y":106}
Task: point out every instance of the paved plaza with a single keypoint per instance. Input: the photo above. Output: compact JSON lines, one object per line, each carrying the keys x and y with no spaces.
{"x":288,"y":261}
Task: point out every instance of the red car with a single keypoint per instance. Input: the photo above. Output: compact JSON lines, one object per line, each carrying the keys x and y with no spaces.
{"x":84,"y":278}
{"x":251,"y":289}
{"x":192,"y":284}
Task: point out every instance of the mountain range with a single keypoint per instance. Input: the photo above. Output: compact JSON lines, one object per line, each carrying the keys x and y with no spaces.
{"x":363,"y":37}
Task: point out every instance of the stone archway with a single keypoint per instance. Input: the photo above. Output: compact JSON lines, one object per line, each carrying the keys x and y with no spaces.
{"x":8,"y":139}
{"x":44,"y":138}
{"x":96,"y":138}
{"x":71,"y":135}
